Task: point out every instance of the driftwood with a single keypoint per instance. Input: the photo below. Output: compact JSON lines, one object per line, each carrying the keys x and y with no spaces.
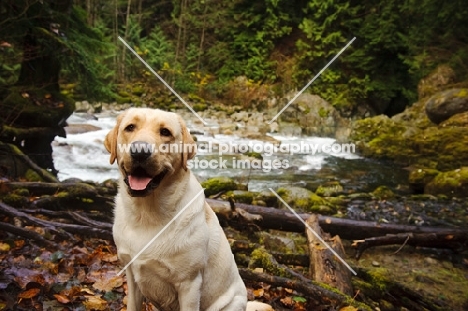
{"x":324,"y":266}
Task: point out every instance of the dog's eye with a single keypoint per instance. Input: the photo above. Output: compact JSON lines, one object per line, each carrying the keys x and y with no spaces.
{"x":130,"y":128}
{"x":165,"y":132}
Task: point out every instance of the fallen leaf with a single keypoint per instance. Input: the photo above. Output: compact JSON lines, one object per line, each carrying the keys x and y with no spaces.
{"x":106,"y":285}
{"x":287,"y":301}
{"x":258,"y":292}
{"x":30,"y":293}
{"x":4,"y":247}
{"x":61,"y":298}
{"x":348,"y":308}
{"x":95,"y":303}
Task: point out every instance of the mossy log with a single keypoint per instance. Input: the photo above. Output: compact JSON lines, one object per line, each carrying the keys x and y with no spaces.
{"x":272,"y":218}
{"x":324,"y":266}
{"x":13,"y":159}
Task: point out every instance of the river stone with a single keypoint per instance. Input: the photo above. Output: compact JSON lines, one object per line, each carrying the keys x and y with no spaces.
{"x":444,"y":105}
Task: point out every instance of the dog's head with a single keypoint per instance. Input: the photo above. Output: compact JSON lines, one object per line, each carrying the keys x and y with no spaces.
{"x":149,"y":145}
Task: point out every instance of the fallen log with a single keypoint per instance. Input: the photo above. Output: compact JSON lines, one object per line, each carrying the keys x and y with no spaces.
{"x":57,"y":227}
{"x":455,"y":240}
{"x":321,"y":295}
{"x":273,"y":218}
{"x":25,"y":233}
{"x":324,"y":266}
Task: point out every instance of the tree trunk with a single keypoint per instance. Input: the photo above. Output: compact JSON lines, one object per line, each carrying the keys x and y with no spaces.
{"x":324,"y":266}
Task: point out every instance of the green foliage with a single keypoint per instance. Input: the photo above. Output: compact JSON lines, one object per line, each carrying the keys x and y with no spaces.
{"x":200,"y":46}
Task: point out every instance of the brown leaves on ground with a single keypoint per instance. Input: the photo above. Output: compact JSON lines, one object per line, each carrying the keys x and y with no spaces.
{"x":79,"y":275}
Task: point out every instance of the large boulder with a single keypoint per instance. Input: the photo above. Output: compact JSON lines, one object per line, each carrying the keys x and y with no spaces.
{"x":314,"y":115}
{"x":446,"y":104}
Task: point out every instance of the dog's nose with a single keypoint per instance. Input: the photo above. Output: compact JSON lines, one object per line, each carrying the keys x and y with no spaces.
{"x":140,"y":150}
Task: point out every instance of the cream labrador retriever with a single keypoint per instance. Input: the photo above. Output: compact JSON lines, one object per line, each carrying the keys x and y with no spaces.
{"x":189,"y":266}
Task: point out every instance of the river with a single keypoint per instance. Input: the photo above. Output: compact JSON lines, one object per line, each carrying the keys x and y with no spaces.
{"x":83,"y":156}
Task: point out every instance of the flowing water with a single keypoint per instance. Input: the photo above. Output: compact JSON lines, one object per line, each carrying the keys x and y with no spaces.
{"x":83,"y":156}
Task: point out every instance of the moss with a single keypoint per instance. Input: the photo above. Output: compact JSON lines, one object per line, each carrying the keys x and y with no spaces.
{"x":451,"y":183}
{"x":305,"y":200}
{"x":31,"y":175}
{"x":255,"y":155}
{"x":260,"y":258}
{"x":138,"y":90}
{"x":383,"y":192}
{"x":329,"y":189}
{"x":15,"y":200}
{"x":241,"y":196}
{"x":379,"y":277}
{"x":36,"y":107}
{"x":123,"y":100}
{"x":62,"y":194}
{"x":22,"y":192}
{"x":218,"y":184}
{"x":200,"y":107}
{"x":323,"y":113}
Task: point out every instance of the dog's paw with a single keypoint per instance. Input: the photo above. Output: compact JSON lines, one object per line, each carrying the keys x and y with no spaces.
{"x":258,"y":306}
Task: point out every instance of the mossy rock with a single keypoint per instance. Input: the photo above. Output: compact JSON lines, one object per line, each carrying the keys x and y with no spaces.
{"x":452,"y":183}
{"x":383,"y":192}
{"x":241,"y":196}
{"x":305,"y":200}
{"x":218,"y":184}
{"x":418,"y":178}
{"x":460,"y":120}
{"x":415,"y":142}
{"x":329,"y":189}
{"x":200,"y":107}
{"x":123,"y":100}
{"x":268,"y":197}
{"x":31,"y":107}
{"x":446,"y":104}
{"x":138,"y":90}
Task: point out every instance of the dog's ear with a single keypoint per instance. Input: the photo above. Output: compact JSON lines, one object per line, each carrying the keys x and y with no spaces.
{"x":111,"y":139}
{"x":189,"y":148}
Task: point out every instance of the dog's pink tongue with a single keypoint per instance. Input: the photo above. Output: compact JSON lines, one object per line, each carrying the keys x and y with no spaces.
{"x":138,"y":182}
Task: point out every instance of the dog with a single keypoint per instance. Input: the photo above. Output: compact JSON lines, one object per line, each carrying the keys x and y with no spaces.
{"x":189,"y":266}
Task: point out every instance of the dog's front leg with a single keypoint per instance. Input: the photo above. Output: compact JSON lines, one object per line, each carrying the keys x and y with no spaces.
{"x":189,"y":293}
{"x":135,"y":297}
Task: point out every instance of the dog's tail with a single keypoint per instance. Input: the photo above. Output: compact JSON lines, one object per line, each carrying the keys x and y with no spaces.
{"x":258,"y":306}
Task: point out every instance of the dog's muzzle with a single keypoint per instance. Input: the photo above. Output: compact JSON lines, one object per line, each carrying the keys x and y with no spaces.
{"x":138,"y":180}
